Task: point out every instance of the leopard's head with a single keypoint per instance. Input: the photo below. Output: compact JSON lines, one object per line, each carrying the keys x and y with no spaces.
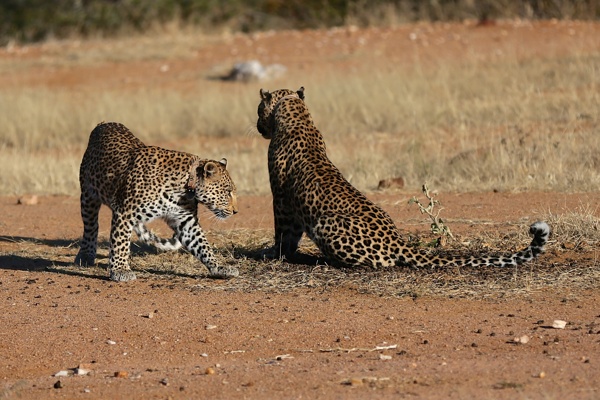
{"x":268,"y":103}
{"x":212,"y":186}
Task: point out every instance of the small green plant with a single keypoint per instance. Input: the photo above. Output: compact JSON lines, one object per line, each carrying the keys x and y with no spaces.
{"x":437,"y":224}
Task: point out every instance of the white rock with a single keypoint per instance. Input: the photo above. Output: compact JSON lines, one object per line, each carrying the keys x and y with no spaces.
{"x":523,"y":339}
{"x":81,"y":371}
{"x":559,"y":324}
{"x":62,"y":373}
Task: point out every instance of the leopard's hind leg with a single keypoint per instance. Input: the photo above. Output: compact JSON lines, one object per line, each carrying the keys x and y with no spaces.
{"x":120,"y":243}
{"x":90,"y":208}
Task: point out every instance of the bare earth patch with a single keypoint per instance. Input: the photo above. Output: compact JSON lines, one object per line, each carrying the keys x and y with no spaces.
{"x":300,"y":329}
{"x":286,"y":330}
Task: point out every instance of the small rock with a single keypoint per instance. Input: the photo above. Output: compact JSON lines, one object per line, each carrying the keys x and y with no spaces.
{"x":81,"y":371}
{"x":253,"y":70}
{"x":542,"y":375}
{"x":208,"y":327}
{"x":111,"y":342}
{"x":58,"y":384}
{"x":164,"y":382}
{"x":353,"y":382}
{"x":121,"y":374}
{"x":209,"y":371}
{"x":62,"y":373}
{"x":28,"y":200}
{"x":522,"y":340}
{"x":384,"y":357}
{"x":559,"y":324}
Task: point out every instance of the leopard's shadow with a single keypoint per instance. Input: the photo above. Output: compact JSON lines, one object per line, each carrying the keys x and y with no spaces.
{"x":23,"y":262}
{"x":266,"y":255}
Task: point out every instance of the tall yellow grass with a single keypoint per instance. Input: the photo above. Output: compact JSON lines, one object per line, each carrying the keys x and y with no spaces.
{"x":510,"y":124}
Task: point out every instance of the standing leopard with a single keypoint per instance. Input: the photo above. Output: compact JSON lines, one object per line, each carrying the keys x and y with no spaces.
{"x":140,"y":183}
{"x":311,"y":196}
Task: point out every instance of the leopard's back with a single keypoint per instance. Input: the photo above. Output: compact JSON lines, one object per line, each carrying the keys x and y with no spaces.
{"x":108,"y":156}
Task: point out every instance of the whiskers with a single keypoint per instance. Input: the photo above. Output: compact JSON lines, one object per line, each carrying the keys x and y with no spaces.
{"x":214,"y":214}
{"x":251,"y":130}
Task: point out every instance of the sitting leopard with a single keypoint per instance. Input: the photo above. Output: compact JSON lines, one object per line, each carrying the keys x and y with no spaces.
{"x":311,"y":196}
{"x":140,"y":183}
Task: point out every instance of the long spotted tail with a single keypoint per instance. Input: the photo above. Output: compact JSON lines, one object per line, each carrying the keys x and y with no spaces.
{"x":539,"y":230}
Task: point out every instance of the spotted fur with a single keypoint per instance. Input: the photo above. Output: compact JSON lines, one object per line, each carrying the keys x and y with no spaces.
{"x":140,"y":183}
{"x":311,"y":196}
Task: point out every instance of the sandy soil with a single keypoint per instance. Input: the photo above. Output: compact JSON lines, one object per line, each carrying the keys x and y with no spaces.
{"x":168,"y":339}
{"x":159,"y":337}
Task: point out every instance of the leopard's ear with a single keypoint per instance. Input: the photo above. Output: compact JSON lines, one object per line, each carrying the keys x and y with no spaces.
{"x":265,"y":95}
{"x":300,"y":93}
{"x":210,"y":169}
{"x":223,"y":162}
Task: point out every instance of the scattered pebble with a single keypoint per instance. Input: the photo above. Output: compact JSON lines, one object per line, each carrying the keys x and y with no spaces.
{"x":58,"y":385}
{"x":353,"y":382}
{"x":542,"y":375}
{"x":559,"y":324}
{"x":209,"y":371}
{"x":28,"y":200}
{"x":384,"y":357}
{"x":111,"y":342}
{"x":522,"y":340}
{"x":62,"y":373}
{"x":81,"y":371}
{"x":207,"y":327}
{"x":121,"y":374}
{"x":164,"y":382}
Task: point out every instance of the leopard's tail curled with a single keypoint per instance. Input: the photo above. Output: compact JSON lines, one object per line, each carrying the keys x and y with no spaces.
{"x":540,"y":231}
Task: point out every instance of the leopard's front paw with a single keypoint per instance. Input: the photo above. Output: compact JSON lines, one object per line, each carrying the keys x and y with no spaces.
{"x":272,"y":253}
{"x":225,"y":272}
{"x":122,"y":275}
{"x":85,"y":259}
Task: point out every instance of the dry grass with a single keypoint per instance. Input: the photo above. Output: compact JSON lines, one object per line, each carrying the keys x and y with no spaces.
{"x":567,"y":268}
{"x":505,"y":122}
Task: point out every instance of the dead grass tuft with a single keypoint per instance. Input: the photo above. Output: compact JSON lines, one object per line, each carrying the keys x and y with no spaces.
{"x":576,"y":227}
{"x":560,"y":269}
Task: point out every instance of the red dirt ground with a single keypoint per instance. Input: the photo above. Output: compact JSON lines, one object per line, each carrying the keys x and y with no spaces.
{"x":157,"y":338}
